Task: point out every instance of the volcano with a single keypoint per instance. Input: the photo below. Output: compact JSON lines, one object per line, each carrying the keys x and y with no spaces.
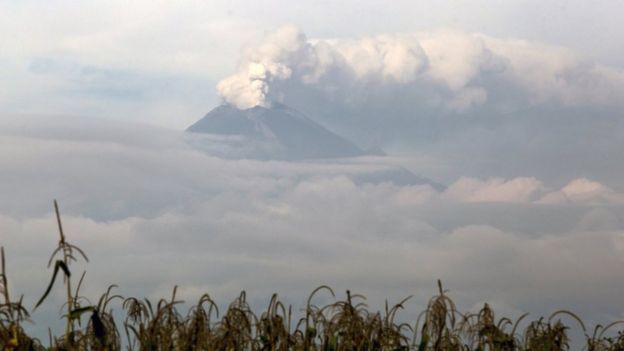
{"x":279,"y":132}
{"x":283,"y":133}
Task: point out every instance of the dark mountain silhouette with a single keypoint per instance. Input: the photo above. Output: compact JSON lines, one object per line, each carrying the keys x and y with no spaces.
{"x":282,"y":133}
{"x":279,"y":132}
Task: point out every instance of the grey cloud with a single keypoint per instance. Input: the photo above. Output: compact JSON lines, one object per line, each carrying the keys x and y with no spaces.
{"x":495,"y":107}
{"x":153,"y":212}
{"x":455,"y":71}
{"x":527,"y":136}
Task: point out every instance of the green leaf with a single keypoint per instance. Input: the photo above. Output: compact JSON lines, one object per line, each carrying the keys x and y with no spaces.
{"x":75,"y":314}
{"x":58,"y":265}
{"x":425,"y":339}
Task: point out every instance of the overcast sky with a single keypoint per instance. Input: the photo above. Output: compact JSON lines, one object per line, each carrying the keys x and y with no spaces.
{"x":514,"y":105}
{"x":159,"y":61}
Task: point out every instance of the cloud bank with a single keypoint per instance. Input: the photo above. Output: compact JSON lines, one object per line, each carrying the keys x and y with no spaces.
{"x":526,"y":135}
{"x":152,"y":211}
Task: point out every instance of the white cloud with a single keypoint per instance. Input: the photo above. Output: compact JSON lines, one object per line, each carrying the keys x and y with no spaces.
{"x":462,"y":70}
{"x":385,"y":57}
{"x":530,"y":190}
{"x":499,"y":107}
{"x":161,"y":213}
{"x":583,"y":190}
{"x":175,"y":52}
{"x":152,"y":212}
{"x":148,"y":36}
{"x":520,"y":190}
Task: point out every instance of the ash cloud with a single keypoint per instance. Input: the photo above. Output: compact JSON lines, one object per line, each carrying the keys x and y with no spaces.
{"x":497,"y":107}
{"x":526,"y":135}
{"x":451,"y":70}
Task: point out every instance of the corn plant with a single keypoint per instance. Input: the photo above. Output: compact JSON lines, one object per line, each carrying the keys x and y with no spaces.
{"x":12,"y":314}
{"x":342,"y":325}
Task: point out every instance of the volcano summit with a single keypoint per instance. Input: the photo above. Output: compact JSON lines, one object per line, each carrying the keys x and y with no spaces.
{"x":279,"y":132}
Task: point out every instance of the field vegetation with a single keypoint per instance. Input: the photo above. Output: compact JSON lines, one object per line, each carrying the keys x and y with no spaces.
{"x":344,"y":325}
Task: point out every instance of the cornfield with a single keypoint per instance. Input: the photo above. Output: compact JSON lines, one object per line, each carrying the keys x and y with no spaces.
{"x":344,"y":325}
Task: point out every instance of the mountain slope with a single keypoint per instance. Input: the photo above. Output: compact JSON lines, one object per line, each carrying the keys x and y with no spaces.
{"x":276,"y":133}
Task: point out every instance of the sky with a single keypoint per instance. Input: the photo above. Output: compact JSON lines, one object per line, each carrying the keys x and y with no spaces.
{"x":515,"y":106}
{"x":158,"y":62}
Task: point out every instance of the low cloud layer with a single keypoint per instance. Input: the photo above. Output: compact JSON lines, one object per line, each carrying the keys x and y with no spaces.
{"x":526,"y":136}
{"x":152,"y":212}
